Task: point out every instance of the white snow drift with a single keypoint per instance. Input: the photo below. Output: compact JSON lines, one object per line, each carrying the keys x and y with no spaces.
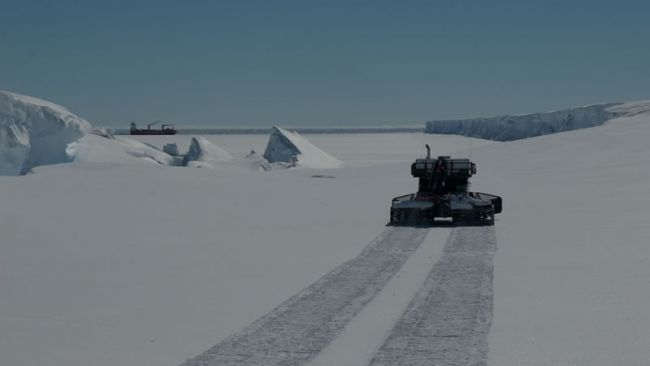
{"x":35,"y":132}
{"x":120,"y":150}
{"x":290,"y":147}
{"x":515,"y":127}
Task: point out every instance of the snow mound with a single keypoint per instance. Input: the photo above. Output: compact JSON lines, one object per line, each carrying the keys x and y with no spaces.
{"x":203,"y":153}
{"x":630,"y":109}
{"x":35,"y":132}
{"x":103,"y":132}
{"x":258,"y":162}
{"x":94,"y":148}
{"x":515,"y":127}
{"x":145,"y":151}
{"x":289,"y":147}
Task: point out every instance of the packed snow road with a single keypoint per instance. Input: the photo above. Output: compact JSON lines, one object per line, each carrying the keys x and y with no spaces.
{"x":446,"y":322}
{"x":298,"y":329}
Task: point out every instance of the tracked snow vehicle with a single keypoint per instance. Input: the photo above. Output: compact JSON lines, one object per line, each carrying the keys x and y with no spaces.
{"x":443,"y":193}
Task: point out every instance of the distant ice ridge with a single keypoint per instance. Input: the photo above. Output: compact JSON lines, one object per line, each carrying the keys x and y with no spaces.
{"x":35,"y":132}
{"x":515,"y":127}
{"x":291,"y":148}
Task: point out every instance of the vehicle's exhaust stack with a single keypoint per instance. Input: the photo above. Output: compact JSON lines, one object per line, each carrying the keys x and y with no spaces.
{"x":428,"y":152}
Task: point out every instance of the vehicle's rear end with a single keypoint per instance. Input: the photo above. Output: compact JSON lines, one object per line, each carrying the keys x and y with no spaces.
{"x":443,"y":193}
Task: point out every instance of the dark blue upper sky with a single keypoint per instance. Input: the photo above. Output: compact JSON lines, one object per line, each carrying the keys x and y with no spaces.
{"x":305,"y":63}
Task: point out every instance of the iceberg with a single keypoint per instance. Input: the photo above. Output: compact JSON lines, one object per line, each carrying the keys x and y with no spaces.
{"x":171,"y":149}
{"x":203,"y":153}
{"x":291,"y":148}
{"x":35,"y":132}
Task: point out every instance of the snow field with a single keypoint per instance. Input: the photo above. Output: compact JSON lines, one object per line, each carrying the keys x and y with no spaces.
{"x":119,"y":263}
{"x":298,"y":329}
{"x":105,"y":262}
{"x":572,"y":270}
{"x":355,"y":150}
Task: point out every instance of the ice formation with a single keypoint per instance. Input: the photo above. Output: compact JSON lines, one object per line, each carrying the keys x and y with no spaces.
{"x":171,"y":149}
{"x":258,"y":162}
{"x":291,"y":148}
{"x":203,"y":153}
{"x":93,"y":148}
{"x":35,"y":132}
{"x":515,"y":127}
{"x":103,"y":132}
{"x":145,"y":151}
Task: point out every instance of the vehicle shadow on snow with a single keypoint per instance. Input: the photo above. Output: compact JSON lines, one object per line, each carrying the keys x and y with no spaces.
{"x":439,"y":224}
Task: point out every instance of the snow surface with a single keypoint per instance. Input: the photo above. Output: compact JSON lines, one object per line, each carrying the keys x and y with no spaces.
{"x":119,"y":260}
{"x":303,"y":325}
{"x":572,"y":268}
{"x":515,"y":127}
{"x":290,"y":147}
{"x":119,"y":150}
{"x":35,"y":132}
{"x":354,"y":149}
{"x":630,"y":109}
{"x":108,"y":263}
{"x":448,"y":319}
{"x":366,"y":332}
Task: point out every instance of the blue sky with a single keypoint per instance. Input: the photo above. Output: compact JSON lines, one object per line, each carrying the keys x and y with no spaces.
{"x":322,"y":63}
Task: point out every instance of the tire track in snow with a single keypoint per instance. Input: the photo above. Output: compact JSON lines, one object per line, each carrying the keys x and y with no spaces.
{"x":298,"y":329}
{"x":366,"y":332}
{"x":448,"y":320}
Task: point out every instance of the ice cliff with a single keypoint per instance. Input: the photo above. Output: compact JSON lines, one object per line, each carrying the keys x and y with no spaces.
{"x":35,"y":132}
{"x":291,"y":148}
{"x":515,"y":127}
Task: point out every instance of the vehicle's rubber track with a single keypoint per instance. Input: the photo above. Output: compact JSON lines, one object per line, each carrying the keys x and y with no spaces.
{"x":298,"y":329}
{"x":448,"y":320}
